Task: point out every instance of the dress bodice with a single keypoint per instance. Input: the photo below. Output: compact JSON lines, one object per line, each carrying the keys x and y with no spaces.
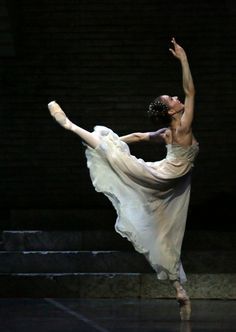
{"x":176,"y":151}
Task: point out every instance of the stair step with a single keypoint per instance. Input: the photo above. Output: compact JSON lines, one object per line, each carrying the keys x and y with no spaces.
{"x":24,"y":240}
{"x":110,"y":261}
{"x":64,"y":240}
{"x":73,"y":261}
{"x":114,"y":285}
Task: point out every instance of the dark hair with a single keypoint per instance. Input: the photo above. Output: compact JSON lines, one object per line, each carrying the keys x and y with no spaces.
{"x":158,"y":112}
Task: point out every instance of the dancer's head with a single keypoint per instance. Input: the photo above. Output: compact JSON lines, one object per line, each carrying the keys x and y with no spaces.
{"x":162,"y":108}
{"x":158,"y":111}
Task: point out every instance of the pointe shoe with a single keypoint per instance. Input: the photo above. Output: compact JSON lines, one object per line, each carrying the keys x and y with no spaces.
{"x":185,"y":309}
{"x":57,"y":113}
{"x":184,"y":304}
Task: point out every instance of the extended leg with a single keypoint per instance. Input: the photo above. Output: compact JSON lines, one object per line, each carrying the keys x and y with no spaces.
{"x":57,"y":113}
{"x":183,"y":300}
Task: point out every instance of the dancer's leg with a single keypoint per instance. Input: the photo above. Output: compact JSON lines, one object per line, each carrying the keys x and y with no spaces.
{"x":183,"y":300}
{"x":62,"y":119}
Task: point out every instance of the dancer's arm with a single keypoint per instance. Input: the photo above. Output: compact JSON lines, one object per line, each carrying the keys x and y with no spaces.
{"x":154,"y":136}
{"x":57,"y":113}
{"x":134,"y":138}
{"x":188,"y":86}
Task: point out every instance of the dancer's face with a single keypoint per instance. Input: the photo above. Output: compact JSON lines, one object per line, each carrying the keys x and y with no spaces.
{"x":173,"y":103}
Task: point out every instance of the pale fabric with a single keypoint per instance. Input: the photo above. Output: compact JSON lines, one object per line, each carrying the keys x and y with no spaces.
{"x":151,"y":198}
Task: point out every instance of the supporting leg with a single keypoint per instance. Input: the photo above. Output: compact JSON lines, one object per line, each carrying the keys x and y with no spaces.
{"x":183,"y":300}
{"x":57,"y":113}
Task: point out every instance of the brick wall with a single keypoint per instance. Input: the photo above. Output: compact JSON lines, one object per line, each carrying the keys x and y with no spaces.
{"x":104,"y":61}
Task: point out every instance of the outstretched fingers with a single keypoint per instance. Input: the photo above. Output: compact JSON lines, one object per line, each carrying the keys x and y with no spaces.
{"x":178,"y":50}
{"x":174,"y":44}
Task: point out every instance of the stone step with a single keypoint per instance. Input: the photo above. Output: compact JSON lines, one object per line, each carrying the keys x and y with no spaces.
{"x":27,"y":240}
{"x":114,"y":285}
{"x":64,"y":240}
{"x":110,"y":261}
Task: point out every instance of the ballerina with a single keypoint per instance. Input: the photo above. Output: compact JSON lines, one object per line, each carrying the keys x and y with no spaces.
{"x":151,"y":198}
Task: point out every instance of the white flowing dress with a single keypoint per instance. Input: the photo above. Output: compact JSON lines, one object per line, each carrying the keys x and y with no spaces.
{"x":151,"y":198}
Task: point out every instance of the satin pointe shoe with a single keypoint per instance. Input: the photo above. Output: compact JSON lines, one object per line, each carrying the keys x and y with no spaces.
{"x":184,"y":305}
{"x":57,"y":113}
{"x":185,"y":309}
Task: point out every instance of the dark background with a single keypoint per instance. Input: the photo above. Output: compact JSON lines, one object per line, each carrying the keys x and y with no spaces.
{"x":104,"y":61}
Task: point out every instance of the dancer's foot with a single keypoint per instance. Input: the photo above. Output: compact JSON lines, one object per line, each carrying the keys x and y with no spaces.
{"x":185,"y":309}
{"x":57,"y":113}
{"x":184,"y":304}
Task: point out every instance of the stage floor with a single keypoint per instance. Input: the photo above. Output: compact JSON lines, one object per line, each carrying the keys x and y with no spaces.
{"x":113,"y":315}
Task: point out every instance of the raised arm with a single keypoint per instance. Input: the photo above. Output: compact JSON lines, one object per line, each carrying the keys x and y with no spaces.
{"x":155,"y":136}
{"x":188,"y":85}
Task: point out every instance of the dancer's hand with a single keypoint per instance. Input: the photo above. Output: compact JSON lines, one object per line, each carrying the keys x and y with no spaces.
{"x":57,"y":113}
{"x":178,"y":50}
